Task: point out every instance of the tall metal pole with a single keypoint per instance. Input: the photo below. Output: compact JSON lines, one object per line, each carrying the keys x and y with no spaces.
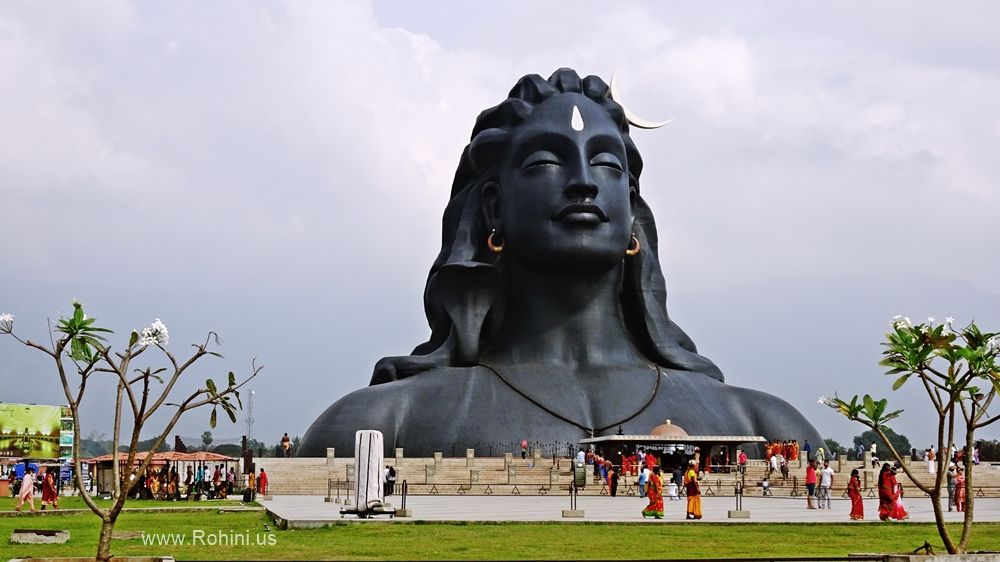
{"x":250,"y":416}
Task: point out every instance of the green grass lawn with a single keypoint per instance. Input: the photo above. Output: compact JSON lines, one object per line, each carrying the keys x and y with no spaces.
{"x":403,"y":540}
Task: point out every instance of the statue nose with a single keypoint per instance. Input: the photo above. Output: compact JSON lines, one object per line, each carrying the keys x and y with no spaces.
{"x":582,"y":185}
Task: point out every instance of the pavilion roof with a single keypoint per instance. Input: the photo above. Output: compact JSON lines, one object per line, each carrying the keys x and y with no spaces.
{"x":166,"y":456}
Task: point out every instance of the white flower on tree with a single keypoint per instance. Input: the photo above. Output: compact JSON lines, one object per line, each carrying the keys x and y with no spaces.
{"x":6,"y":323}
{"x":154,"y":335}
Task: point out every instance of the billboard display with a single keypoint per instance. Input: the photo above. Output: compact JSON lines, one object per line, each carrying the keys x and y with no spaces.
{"x":28,"y":430}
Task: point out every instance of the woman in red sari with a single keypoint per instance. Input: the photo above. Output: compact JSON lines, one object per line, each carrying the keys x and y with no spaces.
{"x":886,"y":501}
{"x":50,"y":491}
{"x":654,"y":491}
{"x":854,"y":491}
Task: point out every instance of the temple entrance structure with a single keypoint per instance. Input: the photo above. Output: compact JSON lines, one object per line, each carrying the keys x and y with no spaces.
{"x":674,"y":451}
{"x":673,"y":447}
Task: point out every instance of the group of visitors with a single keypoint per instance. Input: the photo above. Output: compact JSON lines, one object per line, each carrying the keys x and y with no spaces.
{"x":653,"y":489}
{"x":201,"y":481}
{"x":956,"y":487}
{"x":49,"y":484}
{"x":825,"y":481}
{"x":788,"y":449}
{"x":388,"y":481}
{"x":258,"y":484}
{"x":215,"y":484}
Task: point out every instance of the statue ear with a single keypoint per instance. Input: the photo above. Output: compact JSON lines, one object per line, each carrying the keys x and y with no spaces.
{"x":490,"y":195}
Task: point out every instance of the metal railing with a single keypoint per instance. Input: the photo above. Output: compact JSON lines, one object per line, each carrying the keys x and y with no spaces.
{"x":338,"y":485}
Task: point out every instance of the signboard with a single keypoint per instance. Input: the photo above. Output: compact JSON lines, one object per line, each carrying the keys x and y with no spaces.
{"x":28,"y":430}
{"x":66,"y":434}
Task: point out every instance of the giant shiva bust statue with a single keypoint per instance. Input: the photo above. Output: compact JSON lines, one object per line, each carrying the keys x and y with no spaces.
{"x":547,"y":304}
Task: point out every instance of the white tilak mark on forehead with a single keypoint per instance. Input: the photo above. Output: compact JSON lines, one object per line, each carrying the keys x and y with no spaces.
{"x":577,"y":121}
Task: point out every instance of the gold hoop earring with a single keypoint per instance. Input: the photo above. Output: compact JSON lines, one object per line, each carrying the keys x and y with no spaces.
{"x":493,"y":247}
{"x":633,"y":251}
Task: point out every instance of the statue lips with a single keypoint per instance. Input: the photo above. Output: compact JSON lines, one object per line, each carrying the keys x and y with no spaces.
{"x":581,"y":214}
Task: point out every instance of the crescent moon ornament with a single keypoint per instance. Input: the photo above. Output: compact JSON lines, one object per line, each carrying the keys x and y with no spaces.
{"x":632,"y":117}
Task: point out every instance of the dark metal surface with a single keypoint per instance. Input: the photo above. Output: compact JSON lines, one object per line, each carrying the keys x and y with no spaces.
{"x":565,"y":313}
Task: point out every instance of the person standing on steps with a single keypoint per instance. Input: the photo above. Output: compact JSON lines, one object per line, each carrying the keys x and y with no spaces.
{"x":286,"y":444}
{"x":808,"y":449}
{"x":524,"y":448}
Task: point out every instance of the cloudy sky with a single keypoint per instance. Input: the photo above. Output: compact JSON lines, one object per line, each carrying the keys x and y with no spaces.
{"x":276,"y":172}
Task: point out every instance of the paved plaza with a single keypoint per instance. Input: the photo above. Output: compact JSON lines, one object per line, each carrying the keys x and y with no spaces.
{"x":310,"y":511}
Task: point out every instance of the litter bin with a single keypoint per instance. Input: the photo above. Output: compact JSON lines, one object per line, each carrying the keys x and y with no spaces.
{"x":580,"y":474}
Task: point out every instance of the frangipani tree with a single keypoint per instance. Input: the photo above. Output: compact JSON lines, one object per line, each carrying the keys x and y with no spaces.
{"x":80,"y":351}
{"x":959,"y":371}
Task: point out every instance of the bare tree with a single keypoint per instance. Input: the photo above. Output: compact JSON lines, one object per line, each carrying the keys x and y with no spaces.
{"x":962,"y":392}
{"x":79,"y":351}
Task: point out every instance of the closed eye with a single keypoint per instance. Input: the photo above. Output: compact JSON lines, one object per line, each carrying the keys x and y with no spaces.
{"x":541,"y":158}
{"x":607,"y":160}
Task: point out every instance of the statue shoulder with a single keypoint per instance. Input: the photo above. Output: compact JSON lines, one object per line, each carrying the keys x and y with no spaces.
{"x":389,"y":407}
{"x":772,"y":417}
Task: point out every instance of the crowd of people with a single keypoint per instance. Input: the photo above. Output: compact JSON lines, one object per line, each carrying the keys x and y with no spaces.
{"x":778,"y":453}
{"x":217,"y":483}
{"x":957,"y":457}
{"x":652,"y":489}
{"x":650,"y":474}
{"x":658,"y":483}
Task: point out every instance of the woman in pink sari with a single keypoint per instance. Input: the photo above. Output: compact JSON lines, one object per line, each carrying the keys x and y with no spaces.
{"x":891,"y":504}
{"x":960,"y":490}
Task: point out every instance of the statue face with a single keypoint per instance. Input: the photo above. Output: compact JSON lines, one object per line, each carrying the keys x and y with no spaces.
{"x":564,"y":202}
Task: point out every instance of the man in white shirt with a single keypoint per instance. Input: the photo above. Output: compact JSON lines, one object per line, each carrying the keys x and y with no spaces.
{"x":825,"y":484}
{"x":581,"y":456}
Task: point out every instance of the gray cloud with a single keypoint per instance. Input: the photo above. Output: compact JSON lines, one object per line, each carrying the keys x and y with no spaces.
{"x":277,"y":172}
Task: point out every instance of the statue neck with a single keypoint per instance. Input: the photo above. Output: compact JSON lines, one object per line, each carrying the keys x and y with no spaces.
{"x":571,"y":321}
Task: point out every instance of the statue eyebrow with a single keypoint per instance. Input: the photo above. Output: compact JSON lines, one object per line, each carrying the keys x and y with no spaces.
{"x":606,"y":143}
{"x":551,"y":140}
